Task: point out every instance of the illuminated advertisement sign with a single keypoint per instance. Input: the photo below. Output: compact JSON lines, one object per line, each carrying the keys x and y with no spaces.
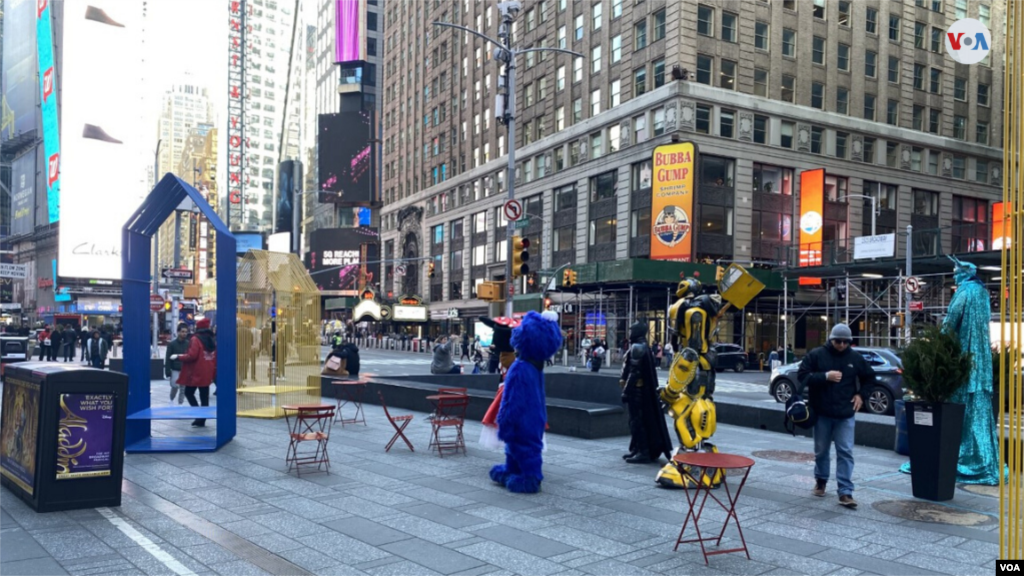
{"x":236,"y":110}
{"x":19,"y":72}
{"x":672,"y":202}
{"x":23,"y":194}
{"x":1001,"y":231}
{"x":345,"y":158}
{"x":102,"y":166}
{"x":344,"y":260}
{"x":350,"y":31}
{"x":812,"y":219}
{"x":248,"y":241}
{"x":48,"y":100}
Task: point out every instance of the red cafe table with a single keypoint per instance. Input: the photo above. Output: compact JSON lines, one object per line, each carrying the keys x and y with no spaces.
{"x":695,"y":465}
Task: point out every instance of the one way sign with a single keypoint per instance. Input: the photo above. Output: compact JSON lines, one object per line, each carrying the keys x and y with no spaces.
{"x":171,"y":273}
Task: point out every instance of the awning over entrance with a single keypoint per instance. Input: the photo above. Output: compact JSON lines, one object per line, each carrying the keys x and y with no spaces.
{"x":641,"y":271}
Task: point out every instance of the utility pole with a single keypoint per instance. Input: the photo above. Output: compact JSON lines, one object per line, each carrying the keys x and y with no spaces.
{"x":505,"y":109}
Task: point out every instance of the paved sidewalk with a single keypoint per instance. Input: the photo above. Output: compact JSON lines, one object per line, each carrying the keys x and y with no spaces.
{"x":238,"y":512}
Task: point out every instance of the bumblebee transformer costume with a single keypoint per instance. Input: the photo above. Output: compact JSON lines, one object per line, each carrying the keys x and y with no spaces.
{"x":689,"y":395}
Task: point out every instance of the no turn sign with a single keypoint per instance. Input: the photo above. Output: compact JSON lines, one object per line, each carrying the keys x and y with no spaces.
{"x":913,"y":284}
{"x":513,"y":210}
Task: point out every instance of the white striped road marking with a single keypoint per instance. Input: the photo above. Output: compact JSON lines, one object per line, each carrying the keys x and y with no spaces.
{"x":145,"y":543}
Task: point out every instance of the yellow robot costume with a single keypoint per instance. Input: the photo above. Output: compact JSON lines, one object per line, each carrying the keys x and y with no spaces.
{"x":688,"y":396}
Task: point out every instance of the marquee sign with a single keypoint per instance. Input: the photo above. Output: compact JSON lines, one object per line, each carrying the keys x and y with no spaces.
{"x":237,"y":142}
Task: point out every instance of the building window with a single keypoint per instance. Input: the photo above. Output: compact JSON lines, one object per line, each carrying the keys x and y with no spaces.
{"x":842,"y":100}
{"x":602,"y":230}
{"x":659,"y":72}
{"x":761,"y":82}
{"x":659,"y":25}
{"x":871,"y":21}
{"x":926,"y":203}
{"x":595,"y":102}
{"x":981,"y":135}
{"x":915,"y":158}
{"x":894,"y":28}
{"x":843,"y":57}
{"x":919,"y":28}
{"x":659,"y":121}
{"x":616,"y":48}
{"x":640,"y":222}
{"x":595,"y":59}
{"x":577,"y":69}
{"x":982,"y":94}
{"x":565,"y":198}
{"x":894,"y":70}
{"x":788,"y":88}
{"x":595,"y":13}
{"x":981,"y":171}
{"x":817,"y":95}
{"x":773,"y":179}
{"x":960,"y":89}
{"x":577,"y":110}
{"x":729,"y":26}
{"x":602,"y":186}
{"x":561,"y":37}
{"x":935,"y":84}
{"x":717,"y":171}
{"x":640,"y":176}
{"x":705,"y":20}
{"x":704,"y":65}
{"x":579,"y":27}
{"x":639,"y":81}
{"x":818,"y":51}
{"x":844,"y":13}
{"x":816,"y":135}
{"x":892,"y":154}
{"x":892,"y":113}
{"x":959,"y":167}
{"x":841,"y":139}
{"x":640,"y":35}
{"x":560,"y":78}
{"x":936,"y":40}
{"x":786,"y":134}
{"x":918,"y":76}
{"x":726,"y":123}
{"x":715,"y":220}
{"x":789,"y":42}
{"x":613,"y":139}
{"x":934,"y":119}
{"x":480,"y":222}
{"x":869,"y":150}
{"x":760,"y":129}
{"x":819,"y":9}
{"x":869,"y":107}
{"x":640,"y":127}
{"x":984,"y":15}
{"x":560,"y":119}
{"x":970,"y":224}
{"x":761,"y":35}
{"x":596,"y":146}
{"x":960,"y":127}
{"x":727,"y":76}
{"x":933,"y":163}
{"x":961,"y":9}
{"x":615,"y":97}
{"x":703,"y":119}
{"x":918,"y":117}
{"x":870,"y":63}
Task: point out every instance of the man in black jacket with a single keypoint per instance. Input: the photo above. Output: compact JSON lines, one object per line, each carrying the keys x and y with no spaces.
{"x":639,"y":382}
{"x":831,"y":374}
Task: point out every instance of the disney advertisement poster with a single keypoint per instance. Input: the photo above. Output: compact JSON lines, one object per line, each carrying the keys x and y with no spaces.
{"x":19,"y":433}
{"x":85,"y":435}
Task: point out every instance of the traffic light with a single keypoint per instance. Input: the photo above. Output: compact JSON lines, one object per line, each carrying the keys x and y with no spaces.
{"x":167,"y":306}
{"x":520,"y":256}
{"x":572,"y":278}
{"x":430,"y":270}
{"x":567,"y":278}
{"x":719,"y":273}
{"x":547,"y":303}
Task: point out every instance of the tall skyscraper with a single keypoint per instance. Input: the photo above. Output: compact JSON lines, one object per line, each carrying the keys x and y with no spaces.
{"x":184,"y":107}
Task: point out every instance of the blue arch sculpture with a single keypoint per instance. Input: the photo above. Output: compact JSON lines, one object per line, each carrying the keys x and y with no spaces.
{"x":136,"y":273}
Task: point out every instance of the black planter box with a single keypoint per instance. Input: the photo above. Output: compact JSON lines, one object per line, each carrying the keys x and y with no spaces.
{"x":935,"y":433}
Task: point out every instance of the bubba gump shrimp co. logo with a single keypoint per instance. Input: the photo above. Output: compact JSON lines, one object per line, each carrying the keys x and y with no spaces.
{"x":672,"y":225}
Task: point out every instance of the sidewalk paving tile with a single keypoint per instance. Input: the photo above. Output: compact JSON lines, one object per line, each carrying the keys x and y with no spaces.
{"x":33,"y":567}
{"x":425,"y":529}
{"x":402,"y":568}
{"x":868,"y":563}
{"x":509,"y":558}
{"x":368,"y":531}
{"x":343,"y":548}
{"x":20,"y":545}
{"x":524,"y":541}
{"x":438,"y":558}
{"x":308,"y":558}
{"x":240,"y":568}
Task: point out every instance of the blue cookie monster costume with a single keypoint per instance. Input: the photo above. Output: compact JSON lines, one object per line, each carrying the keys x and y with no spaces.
{"x":523,"y":414}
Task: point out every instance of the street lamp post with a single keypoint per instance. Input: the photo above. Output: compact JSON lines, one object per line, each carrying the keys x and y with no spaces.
{"x":505,"y":108}
{"x":874,"y":206}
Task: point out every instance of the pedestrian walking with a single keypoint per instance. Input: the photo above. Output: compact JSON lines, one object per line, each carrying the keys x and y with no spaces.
{"x":172,"y":368}
{"x":83,"y":341}
{"x":56,"y":343}
{"x":465,"y":347}
{"x":43,"y":338}
{"x":69,"y":338}
{"x":831,"y":374}
{"x":667,"y":353}
{"x":97,"y":350}
{"x":598,"y":356}
{"x":199,"y":367}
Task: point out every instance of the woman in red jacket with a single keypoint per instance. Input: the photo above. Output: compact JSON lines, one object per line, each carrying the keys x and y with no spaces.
{"x":199,"y":367}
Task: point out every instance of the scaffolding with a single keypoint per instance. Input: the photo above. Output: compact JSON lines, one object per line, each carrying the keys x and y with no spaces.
{"x":278,"y":328}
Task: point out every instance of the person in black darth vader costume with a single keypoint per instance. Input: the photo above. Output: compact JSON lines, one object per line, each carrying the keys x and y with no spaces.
{"x":639,"y":381}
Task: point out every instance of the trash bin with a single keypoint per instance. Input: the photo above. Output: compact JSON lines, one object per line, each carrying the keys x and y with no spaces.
{"x":62,"y":435}
{"x":902,"y":444}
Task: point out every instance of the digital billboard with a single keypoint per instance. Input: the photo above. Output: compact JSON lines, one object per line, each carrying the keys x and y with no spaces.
{"x":1000,"y":226}
{"x":19,"y":71}
{"x":48,"y":108}
{"x":23,"y":194}
{"x":345,"y":158}
{"x":343,"y":260}
{"x":812,"y":219}
{"x":349,"y":31}
{"x":289,"y":180}
{"x":103,"y":162}
{"x":672,"y":202}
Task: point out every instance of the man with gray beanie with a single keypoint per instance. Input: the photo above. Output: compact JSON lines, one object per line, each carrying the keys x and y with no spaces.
{"x":831,"y":374}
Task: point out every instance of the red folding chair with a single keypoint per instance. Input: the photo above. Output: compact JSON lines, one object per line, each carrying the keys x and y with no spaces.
{"x":310,"y":423}
{"x":399,"y":430}
{"x":453,"y":391}
{"x":449,"y":415}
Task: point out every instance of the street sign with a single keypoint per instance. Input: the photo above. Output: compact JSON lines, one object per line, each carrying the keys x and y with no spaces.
{"x":913,"y":284}
{"x":513,"y":210}
{"x":520,"y":224}
{"x":916,"y":306}
{"x":156,"y":302}
{"x":13,"y":271}
{"x":173,"y":273}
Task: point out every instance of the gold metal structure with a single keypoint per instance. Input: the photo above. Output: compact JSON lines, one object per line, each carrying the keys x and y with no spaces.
{"x":269,"y":281}
{"x":1011,"y":317}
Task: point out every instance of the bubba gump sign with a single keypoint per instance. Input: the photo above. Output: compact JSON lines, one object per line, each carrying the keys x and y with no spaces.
{"x":672,"y":202}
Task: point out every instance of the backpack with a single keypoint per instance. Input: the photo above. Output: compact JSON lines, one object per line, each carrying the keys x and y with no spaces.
{"x":798,"y":414}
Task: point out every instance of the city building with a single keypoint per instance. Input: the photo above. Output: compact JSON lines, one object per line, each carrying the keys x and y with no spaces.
{"x":766,"y":90}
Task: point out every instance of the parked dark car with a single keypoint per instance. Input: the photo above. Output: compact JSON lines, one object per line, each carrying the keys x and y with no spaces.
{"x":888,"y":372}
{"x":730,"y":357}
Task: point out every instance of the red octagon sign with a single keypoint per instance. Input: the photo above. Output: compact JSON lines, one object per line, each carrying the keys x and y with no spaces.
{"x":156,"y":303}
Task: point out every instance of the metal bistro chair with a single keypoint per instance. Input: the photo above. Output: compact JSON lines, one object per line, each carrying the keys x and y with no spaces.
{"x":449,"y":414}
{"x":453,"y":391}
{"x":312,"y":423}
{"x":395,"y":420}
